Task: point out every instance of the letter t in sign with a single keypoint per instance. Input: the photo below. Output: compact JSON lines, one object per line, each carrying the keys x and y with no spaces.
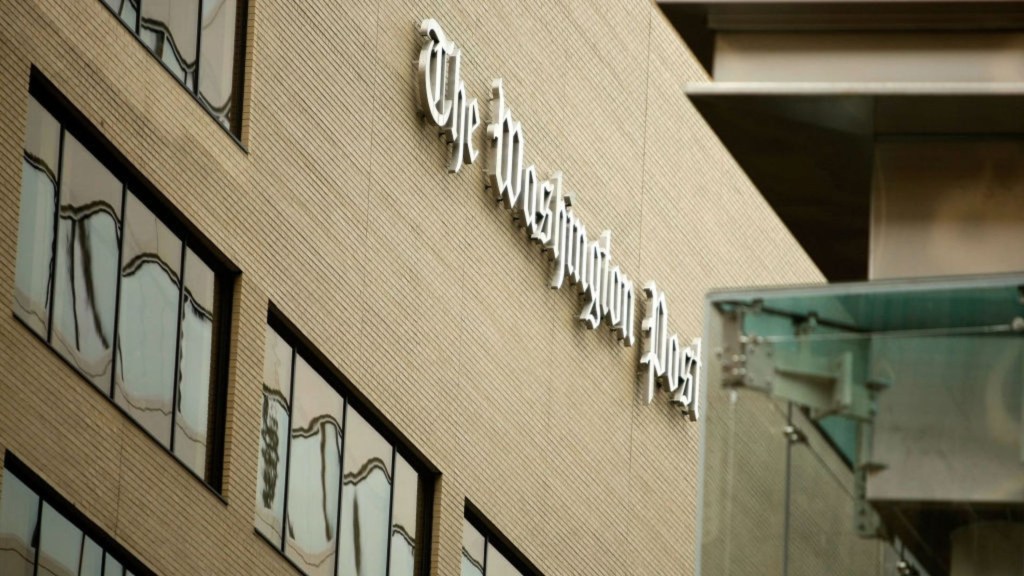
{"x":441,"y":94}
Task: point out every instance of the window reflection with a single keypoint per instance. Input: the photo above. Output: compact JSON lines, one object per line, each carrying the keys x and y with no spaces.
{"x":277,"y":373}
{"x":92,"y":559}
{"x":402,"y":559}
{"x":59,"y":544}
{"x":148,"y":320}
{"x":85,"y":289}
{"x":197,"y":40}
{"x":115,"y":307}
{"x":498,"y":565}
{"x":217,"y":58}
{"x":365,"y":500}
{"x":64,"y":549}
{"x":334,"y":498}
{"x":39,"y":181}
{"x":314,"y":471}
{"x":127,"y":10}
{"x":473,"y":545}
{"x":480,"y":557}
{"x":112,"y":567}
{"x":198,"y":311}
{"x":19,"y":513}
{"x":169,"y":28}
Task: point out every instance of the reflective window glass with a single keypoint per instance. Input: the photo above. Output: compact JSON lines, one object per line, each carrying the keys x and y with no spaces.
{"x":314,"y":471}
{"x":87,"y":260}
{"x":480,"y":557}
{"x":403,"y":519}
{"x":119,"y":293}
{"x":170,"y":29}
{"x":347,"y":496}
{"x":39,"y":184}
{"x":365,"y":500}
{"x":277,"y":374}
{"x":148,"y":320}
{"x":64,"y":548}
{"x":60,"y":544}
{"x":217,"y":57}
{"x":42,"y":140}
{"x":127,"y":10}
{"x":19,"y":512}
{"x":112,"y":567}
{"x":198,"y":42}
{"x":197,"y":340}
{"x":498,"y":565}
{"x":92,"y":559}
{"x":473,"y":545}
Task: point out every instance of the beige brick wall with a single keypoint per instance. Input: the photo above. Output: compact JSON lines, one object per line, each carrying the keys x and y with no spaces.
{"x":456,"y":340}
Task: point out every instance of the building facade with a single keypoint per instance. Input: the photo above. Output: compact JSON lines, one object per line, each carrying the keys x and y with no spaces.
{"x":253,"y":324}
{"x":868,"y":427}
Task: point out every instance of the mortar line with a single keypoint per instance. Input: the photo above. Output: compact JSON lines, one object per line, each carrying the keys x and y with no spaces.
{"x":639,"y":256}
{"x":369,"y":173}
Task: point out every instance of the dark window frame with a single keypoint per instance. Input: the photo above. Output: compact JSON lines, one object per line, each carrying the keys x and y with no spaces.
{"x":72,"y":513}
{"x":493,"y":537}
{"x":428,"y":474}
{"x":238,"y":69}
{"x":74,"y":122}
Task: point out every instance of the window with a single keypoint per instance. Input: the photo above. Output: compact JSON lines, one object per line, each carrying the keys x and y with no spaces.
{"x":121,"y":291}
{"x":39,"y":534}
{"x":199,"y":42}
{"x":333,"y":493}
{"x":483,"y":556}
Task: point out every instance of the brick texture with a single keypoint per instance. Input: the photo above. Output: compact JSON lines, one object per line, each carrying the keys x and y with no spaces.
{"x":411,"y":281}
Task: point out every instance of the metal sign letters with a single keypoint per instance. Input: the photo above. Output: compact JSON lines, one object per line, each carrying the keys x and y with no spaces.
{"x":607,"y":295}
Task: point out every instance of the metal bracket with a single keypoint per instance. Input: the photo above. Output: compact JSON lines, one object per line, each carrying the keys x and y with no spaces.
{"x":794,"y":434}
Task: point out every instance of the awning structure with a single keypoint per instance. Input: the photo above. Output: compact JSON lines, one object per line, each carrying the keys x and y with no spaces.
{"x":917,"y":383}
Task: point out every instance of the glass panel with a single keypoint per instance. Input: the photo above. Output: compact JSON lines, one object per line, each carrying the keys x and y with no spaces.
{"x":917,"y":383}
{"x":92,"y":559}
{"x":112,"y":567}
{"x":314,"y":472}
{"x":920,"y":355}
{"x":42,"y":139}
{"x":35,"y":218}
{"x":744,"y":485}
{"x":498,"y":565}
{"x":821,"y":505}
{"x":843,"y":433}
{"x":169,"y":28}
{"x":148,"y":320}
{"x":473,"y":545}
{"x":365,"y":500}
{"x":969,"y":305}
{"x":60,"y":545}
{"x":949,"y":428}
{"x":130,"y":14}
{"x":199,"y":309}
{"x":127,"y":10}
{"x":19,"y":512}
{"x":87,"y":258}
{"x":277,"y":374}
{"x":217,"y":58}
{"x":403,"y":519}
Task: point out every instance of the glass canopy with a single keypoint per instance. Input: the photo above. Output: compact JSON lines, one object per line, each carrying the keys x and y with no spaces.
{"x":913,"y":387}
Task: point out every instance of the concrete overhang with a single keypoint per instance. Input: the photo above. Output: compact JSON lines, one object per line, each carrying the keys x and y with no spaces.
{"x":808,"y":145}
{"x":698,"y":21}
